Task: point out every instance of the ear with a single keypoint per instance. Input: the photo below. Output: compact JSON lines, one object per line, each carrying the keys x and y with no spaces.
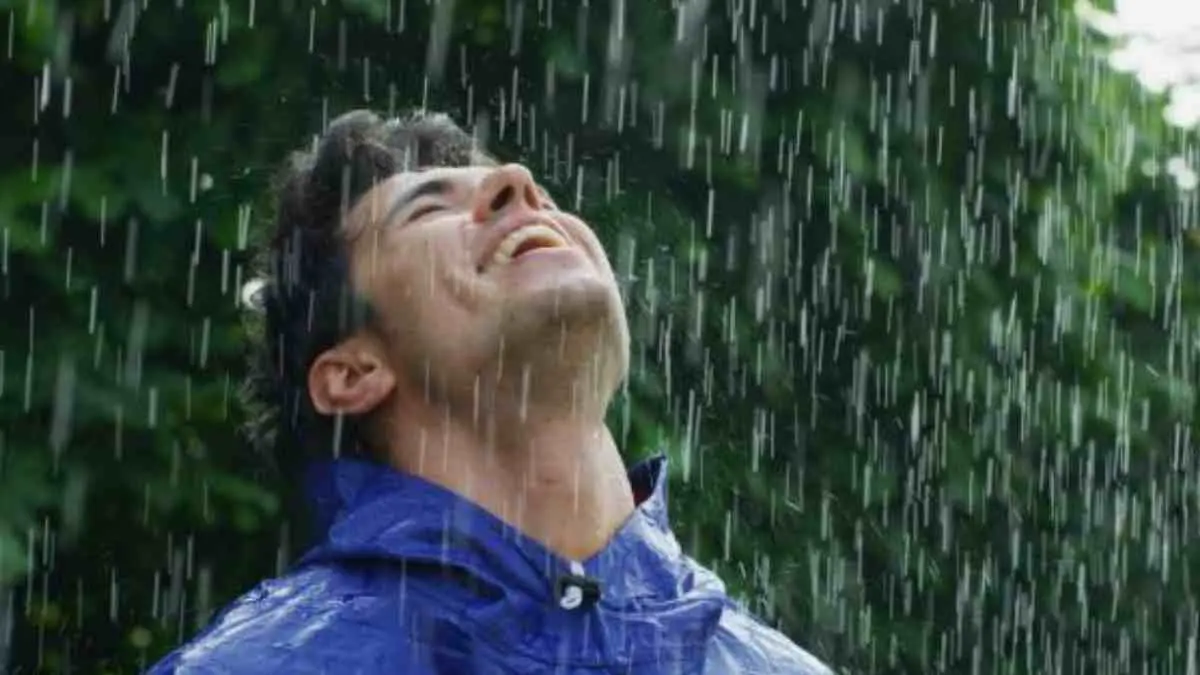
{"x":351,"y":378}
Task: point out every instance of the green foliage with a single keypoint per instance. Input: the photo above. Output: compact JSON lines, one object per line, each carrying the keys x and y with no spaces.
{"x":917,"y":335}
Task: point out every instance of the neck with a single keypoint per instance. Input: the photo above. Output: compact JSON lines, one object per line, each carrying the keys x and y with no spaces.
{"x":550,"y":470}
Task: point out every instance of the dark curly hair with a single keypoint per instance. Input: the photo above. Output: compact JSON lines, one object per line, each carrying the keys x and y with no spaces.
{"x":305,"y":304}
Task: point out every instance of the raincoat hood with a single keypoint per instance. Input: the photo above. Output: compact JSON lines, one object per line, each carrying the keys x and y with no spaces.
{"x":410,"y":577}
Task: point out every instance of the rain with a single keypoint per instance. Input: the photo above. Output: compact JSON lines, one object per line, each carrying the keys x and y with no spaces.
{"x":912,"y":292}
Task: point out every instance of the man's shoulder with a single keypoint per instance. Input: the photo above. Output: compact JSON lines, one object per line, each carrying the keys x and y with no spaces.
{"x":750,"y":643}
{"x":745,"y":644}
{"x":315,"y":620}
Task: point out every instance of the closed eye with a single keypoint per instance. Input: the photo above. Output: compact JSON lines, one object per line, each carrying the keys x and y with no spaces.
{"x":424,"y":211}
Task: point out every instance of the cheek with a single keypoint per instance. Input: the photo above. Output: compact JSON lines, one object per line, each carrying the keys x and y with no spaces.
{"x":424,"y":277}
{"x":434,"y":293}
{"x":393,"y":283}
{"x":584,"y":235}
{"x":406,"y":271}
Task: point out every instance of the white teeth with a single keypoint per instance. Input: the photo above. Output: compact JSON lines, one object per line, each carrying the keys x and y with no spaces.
{"x":542,"y":235}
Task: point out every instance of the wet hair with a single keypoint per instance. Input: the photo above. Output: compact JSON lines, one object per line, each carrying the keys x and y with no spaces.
{"x":306,"y":304}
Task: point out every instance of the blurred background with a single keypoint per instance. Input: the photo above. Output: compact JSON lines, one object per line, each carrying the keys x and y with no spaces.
{"x":914,"y":288}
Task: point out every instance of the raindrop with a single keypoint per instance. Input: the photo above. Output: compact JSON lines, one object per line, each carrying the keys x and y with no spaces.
{"x":64,"y":405}
{"x":439,"y":39}
{"x":68,"y":89}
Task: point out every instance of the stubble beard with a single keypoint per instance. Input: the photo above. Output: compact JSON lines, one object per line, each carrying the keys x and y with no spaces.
{"x":574,"y":337}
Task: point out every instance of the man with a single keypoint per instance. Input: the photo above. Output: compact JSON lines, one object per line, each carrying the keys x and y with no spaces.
{"x":437,"y":323}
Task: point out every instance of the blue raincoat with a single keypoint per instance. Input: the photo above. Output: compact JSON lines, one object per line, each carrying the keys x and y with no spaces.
{"x":412,"y":579}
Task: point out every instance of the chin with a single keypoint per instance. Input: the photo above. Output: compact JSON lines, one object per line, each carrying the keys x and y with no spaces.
{"x":585,"y":306}
{"x":578,"y":299}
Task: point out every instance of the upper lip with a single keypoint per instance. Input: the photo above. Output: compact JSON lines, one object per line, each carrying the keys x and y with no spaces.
{"x":499,"y":232}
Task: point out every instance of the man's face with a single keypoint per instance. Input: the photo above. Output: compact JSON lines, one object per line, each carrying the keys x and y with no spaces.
{"x":472,"y":268}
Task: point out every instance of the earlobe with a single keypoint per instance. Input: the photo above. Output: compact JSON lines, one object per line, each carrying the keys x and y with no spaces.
{"x":349,"y":379}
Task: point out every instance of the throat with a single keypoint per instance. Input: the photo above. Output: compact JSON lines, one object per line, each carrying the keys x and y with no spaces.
{"x":573,"y":498}
{"x":551,"y":470}
{"x":563,"y":485}
{"x":576,"y":523}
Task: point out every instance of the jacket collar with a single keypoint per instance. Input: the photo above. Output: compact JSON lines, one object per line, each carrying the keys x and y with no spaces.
{"x":335,"y":488}
{"x":365,"y":510}
{"x":654,"y":600}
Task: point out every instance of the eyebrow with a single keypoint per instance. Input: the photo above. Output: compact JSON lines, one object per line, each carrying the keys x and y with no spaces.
{"x":436,"y":186}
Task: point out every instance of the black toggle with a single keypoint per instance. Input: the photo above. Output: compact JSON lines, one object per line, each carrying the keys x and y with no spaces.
{"x":576,"y":591}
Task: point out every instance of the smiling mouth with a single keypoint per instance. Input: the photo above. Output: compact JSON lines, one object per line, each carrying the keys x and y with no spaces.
{"x":522,"y":241}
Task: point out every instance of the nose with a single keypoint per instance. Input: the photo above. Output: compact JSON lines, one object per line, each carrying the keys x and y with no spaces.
{"x":504,"y":188}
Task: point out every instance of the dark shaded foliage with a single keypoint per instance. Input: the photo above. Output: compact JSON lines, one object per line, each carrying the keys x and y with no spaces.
{"x":929,"y":404}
